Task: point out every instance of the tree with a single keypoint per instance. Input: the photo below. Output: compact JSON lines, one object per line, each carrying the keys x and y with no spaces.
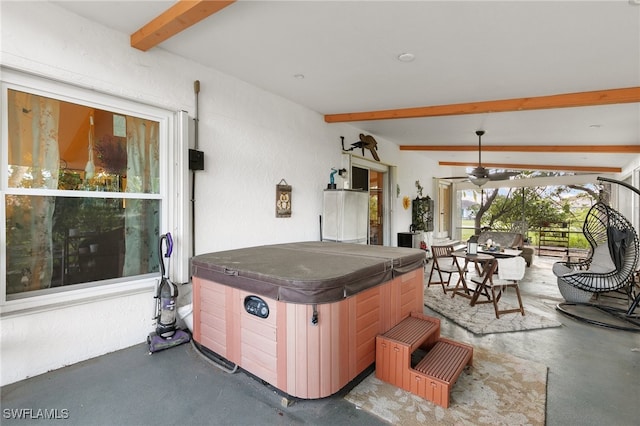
{"x":538,"y":206}
{"x":484,"y":207}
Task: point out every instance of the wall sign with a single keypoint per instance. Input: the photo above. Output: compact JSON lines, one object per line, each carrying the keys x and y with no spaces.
{"x":283,"y":199}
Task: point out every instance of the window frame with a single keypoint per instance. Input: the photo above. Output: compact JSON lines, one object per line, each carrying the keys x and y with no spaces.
{"x":168,"y":137}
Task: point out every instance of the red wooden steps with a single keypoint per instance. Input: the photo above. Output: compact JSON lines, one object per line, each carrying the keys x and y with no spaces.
{"x":435,"y":374}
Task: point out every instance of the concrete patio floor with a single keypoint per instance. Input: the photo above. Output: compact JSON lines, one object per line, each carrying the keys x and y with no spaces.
{"x":593,"y":379}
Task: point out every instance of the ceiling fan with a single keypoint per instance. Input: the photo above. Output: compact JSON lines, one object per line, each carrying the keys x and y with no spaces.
{"x":479,"y":175}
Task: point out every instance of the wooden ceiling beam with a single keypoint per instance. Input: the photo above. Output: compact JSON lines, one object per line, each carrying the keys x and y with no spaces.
{"x":557,"y":168}
{"x":592,"y":149}
{"x":177,"y":18}
{"x":567,"y":100}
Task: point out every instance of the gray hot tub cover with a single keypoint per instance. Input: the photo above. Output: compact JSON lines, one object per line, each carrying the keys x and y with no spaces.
{"x":307,"y":272}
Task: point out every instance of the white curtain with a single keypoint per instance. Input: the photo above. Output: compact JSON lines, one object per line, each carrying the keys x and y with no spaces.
{"x":34,"y":161}
{"x":141,"y":216}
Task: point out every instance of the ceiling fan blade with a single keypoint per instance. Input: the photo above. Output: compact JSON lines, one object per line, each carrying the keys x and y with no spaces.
{"x":454,"y":177}
{"x":502,"y":175}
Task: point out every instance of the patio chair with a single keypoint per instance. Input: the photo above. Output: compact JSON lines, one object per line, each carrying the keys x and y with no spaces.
{"x":611,"y":262}
{"x":510,"y":272}
{"x":443,"y":263}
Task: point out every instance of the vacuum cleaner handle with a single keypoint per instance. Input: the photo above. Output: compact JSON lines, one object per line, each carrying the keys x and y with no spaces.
{"x":164,"y":237}
{"x":169,"y":245}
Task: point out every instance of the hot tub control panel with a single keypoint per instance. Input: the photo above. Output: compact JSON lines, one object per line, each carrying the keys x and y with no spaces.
{"x":256,"y":306}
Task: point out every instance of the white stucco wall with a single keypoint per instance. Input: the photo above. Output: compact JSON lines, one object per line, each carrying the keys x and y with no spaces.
{"x":251,"y":140}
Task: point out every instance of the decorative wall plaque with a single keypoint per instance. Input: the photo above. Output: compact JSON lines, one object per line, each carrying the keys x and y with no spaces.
{"x":283,"y":199}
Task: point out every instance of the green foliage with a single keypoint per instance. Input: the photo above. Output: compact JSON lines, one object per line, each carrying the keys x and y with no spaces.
{"x":537,"y":206}
{"x":69,"y":179}
{"x":419,"y":188}
{"x":422,"y":214}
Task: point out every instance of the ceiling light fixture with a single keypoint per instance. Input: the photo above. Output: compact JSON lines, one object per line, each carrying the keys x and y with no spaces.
{"x":479,"y":181}
{"x":298,"y":76}
{"x":406,"y":57}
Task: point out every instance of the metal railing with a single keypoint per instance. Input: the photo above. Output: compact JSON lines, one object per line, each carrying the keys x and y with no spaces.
{"x":577,"y":241}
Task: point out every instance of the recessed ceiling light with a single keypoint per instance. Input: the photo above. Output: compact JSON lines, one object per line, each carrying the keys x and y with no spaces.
{"x":406,"y":57}
{"x":298,"y":76}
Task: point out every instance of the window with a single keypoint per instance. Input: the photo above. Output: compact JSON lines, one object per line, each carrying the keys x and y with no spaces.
{"x":82,"y":187}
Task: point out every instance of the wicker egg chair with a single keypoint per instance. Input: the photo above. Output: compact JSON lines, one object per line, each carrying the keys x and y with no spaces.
{"x":610,"y":266}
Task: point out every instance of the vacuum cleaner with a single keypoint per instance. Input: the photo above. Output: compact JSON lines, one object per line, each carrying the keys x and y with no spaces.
{"x":167,"y":334}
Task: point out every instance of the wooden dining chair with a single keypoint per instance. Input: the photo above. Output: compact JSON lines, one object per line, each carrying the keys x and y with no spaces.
{"x":443,"y":263}
{"x":509,"y":272}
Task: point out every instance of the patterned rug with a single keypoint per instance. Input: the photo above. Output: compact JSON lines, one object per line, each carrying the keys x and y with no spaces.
{"x":481,"y":319}
{"x":499,"y":389}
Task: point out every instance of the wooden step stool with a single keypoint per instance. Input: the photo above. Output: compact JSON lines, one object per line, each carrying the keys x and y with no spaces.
{"x":435,"y":374}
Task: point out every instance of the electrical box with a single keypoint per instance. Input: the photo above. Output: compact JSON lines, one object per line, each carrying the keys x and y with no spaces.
{"x":196,"y":160}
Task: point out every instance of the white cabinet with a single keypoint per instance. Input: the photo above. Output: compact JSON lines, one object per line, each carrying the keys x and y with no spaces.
{"x":345,"y":215}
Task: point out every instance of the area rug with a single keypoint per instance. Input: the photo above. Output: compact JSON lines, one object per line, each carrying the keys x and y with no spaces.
{"x":481,"y":319}
{"x":499,"y":389}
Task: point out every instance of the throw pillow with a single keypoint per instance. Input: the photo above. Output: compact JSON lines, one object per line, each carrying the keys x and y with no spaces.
{"x":601,"y":261}
{"x":560,"y":269}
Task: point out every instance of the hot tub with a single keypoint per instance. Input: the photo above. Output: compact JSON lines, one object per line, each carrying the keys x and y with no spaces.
{"x":303,"y":316}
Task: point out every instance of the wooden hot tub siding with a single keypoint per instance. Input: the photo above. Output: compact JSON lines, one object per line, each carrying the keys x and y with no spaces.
{"x":286,"y":350}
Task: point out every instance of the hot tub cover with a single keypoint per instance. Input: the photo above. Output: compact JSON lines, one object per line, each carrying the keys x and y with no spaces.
{"x":307,"y":272}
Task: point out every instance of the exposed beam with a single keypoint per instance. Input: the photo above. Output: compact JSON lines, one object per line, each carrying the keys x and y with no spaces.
{"x":567,"y":100}
{"x":557,"y":168}
{"x":178,"y":17}
{"x":608,"y":149}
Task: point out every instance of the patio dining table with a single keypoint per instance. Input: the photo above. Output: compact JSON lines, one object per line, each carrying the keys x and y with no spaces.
{"x":482,"y":266}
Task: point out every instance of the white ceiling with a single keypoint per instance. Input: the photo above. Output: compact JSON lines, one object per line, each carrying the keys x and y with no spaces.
{"x":464,"y":52}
